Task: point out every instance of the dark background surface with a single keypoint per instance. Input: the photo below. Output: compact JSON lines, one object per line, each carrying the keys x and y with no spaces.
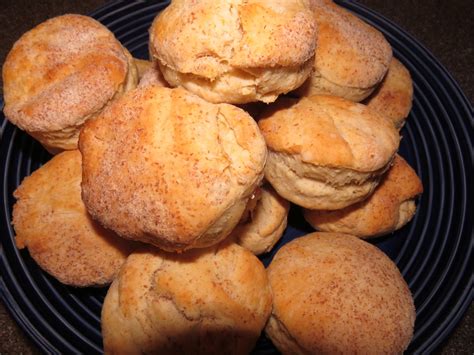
{"x":446,"y":28}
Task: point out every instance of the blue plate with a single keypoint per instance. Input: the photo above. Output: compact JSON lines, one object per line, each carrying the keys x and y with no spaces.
{"x":433,"y":252}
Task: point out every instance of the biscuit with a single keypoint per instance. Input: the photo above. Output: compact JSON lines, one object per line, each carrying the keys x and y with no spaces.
{"x":60,"y":74}
{"x":142,"y":66}
{"x":336,"y":294}
{"x":351,"y":56}
{"x":326,"y":152}
{"x":152,"y":76}
{"x":390,"y":207}
{"x":265,"y":223}
{"x":50,"y":220}
{"x":168,"y":168}
{"x":205,"y":301}
{"x":394,"y":96}
{"x":235,"y":51}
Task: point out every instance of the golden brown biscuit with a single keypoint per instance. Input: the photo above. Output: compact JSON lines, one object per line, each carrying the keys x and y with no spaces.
{"x":165,"y":167}
{"x":351,"y":56}
{"x":265,"y":223}
{"x":336,"y":294}
{"x":235,"y":51}
{"x":394,"y":96}
{"x":211,"y":301}
{"x":60,"y":74}
{"x":326,"y":152}
{"x":390,"y":207}
{"x":50,"y":220}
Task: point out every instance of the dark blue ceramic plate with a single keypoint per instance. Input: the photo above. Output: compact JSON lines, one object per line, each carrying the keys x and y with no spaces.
{"x":433,"y":252}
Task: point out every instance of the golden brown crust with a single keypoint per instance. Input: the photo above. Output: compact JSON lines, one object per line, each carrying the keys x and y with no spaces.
{"x":389,"y":208}
{"x":394,"y":96}
{"x":165,"y":167}
{"x":61,"y":73}
{"x":51,"y":221}
{"x":333,"y":293}
{"x":212,"y":301}
{"x":235,"y":51}
{"x":265,"y":224}
{"x":330,"y":131}
{"x":351,"y":56}
{"x":326,"y":152}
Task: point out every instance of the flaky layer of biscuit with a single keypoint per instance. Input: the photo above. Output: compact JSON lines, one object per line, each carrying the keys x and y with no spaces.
{"x":242,"y":86}
{"x":307,"y":185}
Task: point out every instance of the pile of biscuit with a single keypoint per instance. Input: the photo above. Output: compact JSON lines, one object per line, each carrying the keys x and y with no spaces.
{"x":172,"y":174}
